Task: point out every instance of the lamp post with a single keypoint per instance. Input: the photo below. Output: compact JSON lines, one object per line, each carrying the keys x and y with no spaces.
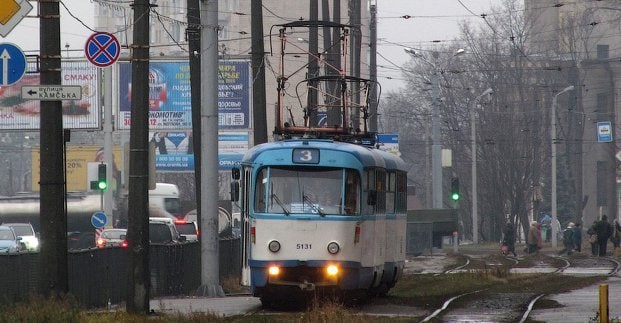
{"x":553,"y":155}
{"x":436,"y":146}
{"x":473,"y":139}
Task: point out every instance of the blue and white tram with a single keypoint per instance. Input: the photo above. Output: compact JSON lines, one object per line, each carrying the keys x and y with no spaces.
{"x":321,"y":215}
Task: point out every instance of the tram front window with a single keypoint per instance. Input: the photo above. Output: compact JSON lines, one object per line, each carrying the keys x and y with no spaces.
{"x":320,"y":191}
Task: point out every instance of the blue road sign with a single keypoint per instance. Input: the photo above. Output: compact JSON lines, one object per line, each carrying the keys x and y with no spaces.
{"x":13,"y":65}
{"x":604,"y":131}
{"x":102,"y":49}
{"x":99,"y":220}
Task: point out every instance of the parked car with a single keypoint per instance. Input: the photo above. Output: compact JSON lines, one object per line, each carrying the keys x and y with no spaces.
{"x":112,"y":238}
{"x":9,"y":241}
{"x":163,"y":230}
{"x":27,"y":233}
{"x":189,"y":230}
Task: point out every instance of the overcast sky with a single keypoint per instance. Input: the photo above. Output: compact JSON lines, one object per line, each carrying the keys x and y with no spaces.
{"x":431,"y":20}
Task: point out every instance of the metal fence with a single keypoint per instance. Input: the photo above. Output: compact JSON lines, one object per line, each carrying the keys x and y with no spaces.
{"x":97,"y":276}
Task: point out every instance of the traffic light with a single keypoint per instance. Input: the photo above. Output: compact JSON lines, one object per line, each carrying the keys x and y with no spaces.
{"x":102,"y":182}
{"x":455,"y":189}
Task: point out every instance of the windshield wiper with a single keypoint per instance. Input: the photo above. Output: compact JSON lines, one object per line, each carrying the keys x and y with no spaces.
{"x":284,"y":209}
{"x":312,"y":204}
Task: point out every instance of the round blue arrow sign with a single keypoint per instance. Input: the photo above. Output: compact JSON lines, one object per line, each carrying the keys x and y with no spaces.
{"x":99,"y":220}
{"x":102,"y":49}
{"x":13,"y":65}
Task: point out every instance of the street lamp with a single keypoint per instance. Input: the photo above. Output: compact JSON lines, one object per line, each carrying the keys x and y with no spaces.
{"x":553,"y":149}
{"x":436,"y":147}
{"x":473,"y":138}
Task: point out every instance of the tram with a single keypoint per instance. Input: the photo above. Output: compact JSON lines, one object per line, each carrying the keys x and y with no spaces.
{"x":322,"y":208}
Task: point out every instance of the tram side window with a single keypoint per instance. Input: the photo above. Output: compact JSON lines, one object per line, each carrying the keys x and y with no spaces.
{"x":402,"y":198}
{"x":380,"y":181}
{"x":369,"y":185}
{"x":390,"y":192}
{"x":259,"y":191}
{"x":352,"y":192}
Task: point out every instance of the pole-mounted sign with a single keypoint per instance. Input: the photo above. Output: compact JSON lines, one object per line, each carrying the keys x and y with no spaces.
{"x":11,"y":13}
{"x":13,"y":64}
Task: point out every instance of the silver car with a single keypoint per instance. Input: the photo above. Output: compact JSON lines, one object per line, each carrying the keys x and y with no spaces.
{"x":9,"y":241}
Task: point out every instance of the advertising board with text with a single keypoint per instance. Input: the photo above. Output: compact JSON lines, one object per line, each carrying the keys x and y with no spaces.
{"x":78,"y":158}
{"x":17,"y":113}
{"x":170,"y":95}
{"x":174,"y":150}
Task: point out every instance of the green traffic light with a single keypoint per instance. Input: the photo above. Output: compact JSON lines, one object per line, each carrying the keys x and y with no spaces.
{"x":455,"y":196}
{"x":102,"y":185}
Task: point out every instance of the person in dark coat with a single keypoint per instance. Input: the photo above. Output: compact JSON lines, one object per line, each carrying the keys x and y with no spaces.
{"x":603,"y":229}
{"x":509,"y":238}
{"x":593,"y":239}
{"x":577,"y":237}
{"x":568,"y":239}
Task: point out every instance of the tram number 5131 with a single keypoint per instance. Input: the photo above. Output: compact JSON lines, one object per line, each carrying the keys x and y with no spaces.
{"x":304,"y":246}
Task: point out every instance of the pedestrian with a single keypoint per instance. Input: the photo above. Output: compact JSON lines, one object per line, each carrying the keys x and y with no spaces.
{"x":539,"y":236}
{"x":509,"y":238}
{"x":546,"y":224}
{"x":532,"y":238}
{"x":556,"y":227}
{"x":577,"y":237}
{"x":593,"y":239}
{"x":568,"y":239}
{"x":614,"y":238}
{"x":603,"y":229}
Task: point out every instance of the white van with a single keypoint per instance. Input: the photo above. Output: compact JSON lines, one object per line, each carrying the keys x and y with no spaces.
{"x":164,"y":201}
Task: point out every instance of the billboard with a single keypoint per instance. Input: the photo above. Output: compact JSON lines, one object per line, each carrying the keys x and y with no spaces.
{"x":174,"y":150}
{"x":170,"y":95}
{"x":78,"y":158}
{"x":19,"y":114}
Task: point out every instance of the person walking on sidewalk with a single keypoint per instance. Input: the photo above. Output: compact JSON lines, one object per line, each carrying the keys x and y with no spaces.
{"x":533,"y":237}
{"x":603,"y":229}
{"x":577,"y":237}
{"x":509,"y":238}
{"x":568,"y":239}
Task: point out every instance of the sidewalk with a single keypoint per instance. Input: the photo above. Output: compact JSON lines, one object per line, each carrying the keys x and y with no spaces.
{"x":582,"y":305}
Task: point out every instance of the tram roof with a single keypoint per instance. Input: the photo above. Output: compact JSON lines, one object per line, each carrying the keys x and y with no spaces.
{"x":368,"y":156}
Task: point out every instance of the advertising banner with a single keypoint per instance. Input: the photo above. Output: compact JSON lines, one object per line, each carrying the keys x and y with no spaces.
{"x":170,"y":95}
{"x":78,"y":158}
{"x":19,"y":114}
{"x":174,"y":150}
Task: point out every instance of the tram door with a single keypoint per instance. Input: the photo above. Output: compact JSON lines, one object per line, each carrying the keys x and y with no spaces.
{"x":245,"y":225}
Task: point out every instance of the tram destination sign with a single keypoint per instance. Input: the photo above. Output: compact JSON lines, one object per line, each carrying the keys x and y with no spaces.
{"x":52,"y":92}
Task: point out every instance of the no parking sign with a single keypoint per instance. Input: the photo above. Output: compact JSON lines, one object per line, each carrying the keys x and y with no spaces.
{"x":102,"y":49}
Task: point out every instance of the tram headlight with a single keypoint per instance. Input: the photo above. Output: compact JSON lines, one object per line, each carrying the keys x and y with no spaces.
{"x":332,"y":270}
{"x":273,"y":246}
{"x":273,"y":270}
{"x":333,"y":248}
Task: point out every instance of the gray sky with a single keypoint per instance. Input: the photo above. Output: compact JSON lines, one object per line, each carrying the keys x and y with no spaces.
{"x":432,"y":20}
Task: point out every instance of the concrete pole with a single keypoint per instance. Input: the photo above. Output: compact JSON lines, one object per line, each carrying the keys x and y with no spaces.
{"x":108,"y":156}
{"x":473,"y":139}
{"x":210,"y":263}
{"x":553,"y":156}
{"x":436,"y":147}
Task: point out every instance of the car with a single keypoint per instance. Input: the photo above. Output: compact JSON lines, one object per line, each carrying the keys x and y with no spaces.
{"x":189,"y":230}
{"x":163,"y":231}
{"x":9,"y":241}
{"x":27,"y":233}
{"x":112,"y":238}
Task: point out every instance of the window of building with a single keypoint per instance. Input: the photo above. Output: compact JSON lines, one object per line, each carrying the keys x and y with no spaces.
{"x":602,"y":51}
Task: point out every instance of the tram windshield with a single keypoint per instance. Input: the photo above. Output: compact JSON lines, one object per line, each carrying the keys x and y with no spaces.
{"x":294,"y":190}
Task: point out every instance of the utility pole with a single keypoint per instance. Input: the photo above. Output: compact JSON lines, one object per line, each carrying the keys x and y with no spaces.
{"x":436,"y":147}
{"x":139,"y":281}
{"x":354,"y":62}
{"x":259,"y":103}
{"x":210,"y":261}
{"x":53,"y":255}
{"x":194,"y":46}
{"x":373,"y":71}
{"x":313,"y":64}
